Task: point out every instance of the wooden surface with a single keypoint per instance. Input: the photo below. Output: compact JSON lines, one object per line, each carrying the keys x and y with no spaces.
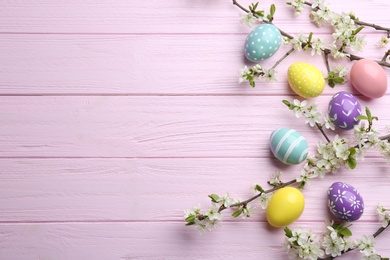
{"x":115,"y":116}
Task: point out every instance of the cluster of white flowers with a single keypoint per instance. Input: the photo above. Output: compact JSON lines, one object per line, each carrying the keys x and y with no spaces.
{"x":211,"y":218}
{"x":366,"y":246}
{"x":298,"y":5}
{"x":384,"y":215}
{"x":366,"y":138}
{"x":329,"y":158}
{"x":250,"y":74}
{"x":303,"y":42}
{"x":303,"y":244}
{"x":311,"y":112}
{"x":346,"y":31}
{"x":248,"y":19}
{"x":333,"y":242}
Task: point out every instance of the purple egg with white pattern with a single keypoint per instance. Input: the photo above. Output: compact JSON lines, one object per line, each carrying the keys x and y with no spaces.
{"x":345,"y":202}
{"x":344,"y":109}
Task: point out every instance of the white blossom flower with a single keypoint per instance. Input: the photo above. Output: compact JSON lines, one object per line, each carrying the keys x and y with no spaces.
{"x":275,"y":178}
{"x":383,"y":215}
{"x":269,"y":75}
{"x":318,"y":3}
{"x":247,"y":211}
{"x":329,"y":122}
{"x":306,"y":176}
{"x":313,"y":116}
{"x":298,"y":41}
{"x":366,"y":245}
{"x":299,"y":107}
{"x":333,"y":246}
{"x":317,"y":47}
{"x":226,"y":200}
{"x":264,"y":199}
{"x":213,"y":212}
{"x":321,"y":16}
{"x":383,"y":41}
{"x":341,"y":70}
{"x":248,"y":19}
{"x":336,"y":53}
{"x":244,"y":74}
{"x":303,"y":245}
{"x":298,"y":6}
{"x":358,"y":43}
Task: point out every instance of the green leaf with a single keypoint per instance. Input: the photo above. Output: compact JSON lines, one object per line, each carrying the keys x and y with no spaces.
{"x":237,"y":212}
{"x":351,"y":163}
{"x":310,"y":37}
{"x":273,"y":9}
{"x":252,"y":83}
{"x":361,"y":117}
{"x":331,"y":83}
{"x":259,"y":188}
{"x":255,"y":6}
{"x":190,"y":218}
{"x":368,"y":113}
{"x":190,"y":223}
{"x":269,"y":17}
{"x":345,"y":232}
{"x":288,"y":232}
{"x":214,"y":197}
{"x":358,"y":30}
{"x":287,"y":103}
{"x":339,"y":80}
{"x":375,"y":117}
{"x":352,"y":151}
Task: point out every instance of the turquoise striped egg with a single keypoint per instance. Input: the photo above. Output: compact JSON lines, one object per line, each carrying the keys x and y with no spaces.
{"x":289,"y":146}
{"x":262,"y":42}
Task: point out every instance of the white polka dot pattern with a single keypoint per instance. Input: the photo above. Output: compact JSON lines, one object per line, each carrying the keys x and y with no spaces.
{"x":262,"y":42}
{"x":305,"y":79}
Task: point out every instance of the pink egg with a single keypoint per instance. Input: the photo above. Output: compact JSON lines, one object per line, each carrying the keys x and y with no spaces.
{"x":369,"y":78}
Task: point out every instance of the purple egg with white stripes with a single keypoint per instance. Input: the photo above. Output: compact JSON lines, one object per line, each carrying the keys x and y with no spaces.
{"x":288,"y":146}
{"x":345,"y":202}
{"x":344,"y":109}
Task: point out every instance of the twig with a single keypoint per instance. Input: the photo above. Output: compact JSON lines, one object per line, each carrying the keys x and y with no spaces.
{"x":377,"y":233}
{"x":351,"y":57}
{"x":319,"y":126}
{"x":265,"y":192}
{"x":281,"y":59}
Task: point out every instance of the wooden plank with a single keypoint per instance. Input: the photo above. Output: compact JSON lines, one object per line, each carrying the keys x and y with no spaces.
{"x":160,"y":240}
{"x":71,"y":190}
{"x":148,"y":126}
{"x":154,"y":16}
{"x":142,"y":64}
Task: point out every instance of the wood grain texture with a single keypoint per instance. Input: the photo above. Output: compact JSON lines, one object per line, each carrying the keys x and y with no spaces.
{"x":160,"y":189}
{"x":177,"y":64}
{"x":154,"y":16}
{"x":163,"y":240}
{"x":115,"y":116}
{"x":149,"y":126}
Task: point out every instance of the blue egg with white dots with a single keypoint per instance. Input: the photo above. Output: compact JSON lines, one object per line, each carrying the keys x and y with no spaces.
{"x":289,"y":146}
{"x":262,"y":42}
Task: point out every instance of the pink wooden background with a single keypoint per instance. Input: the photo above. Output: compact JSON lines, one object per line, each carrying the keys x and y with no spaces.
{"x":115,"y":116}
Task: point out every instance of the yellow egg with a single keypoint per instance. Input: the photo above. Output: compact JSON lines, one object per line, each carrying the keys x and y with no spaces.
{"x":305,"y":79}
{"x":285,"y":206}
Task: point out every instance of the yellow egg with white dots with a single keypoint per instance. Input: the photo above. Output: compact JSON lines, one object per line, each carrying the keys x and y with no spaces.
{"x":305,"y":79}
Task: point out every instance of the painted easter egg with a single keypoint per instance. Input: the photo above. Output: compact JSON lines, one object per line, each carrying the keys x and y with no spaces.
{"x":344,"y":108}
{"x":285,"y":206}
{"x":305,"y":79}
{"x":369,"y":78}
{"x":288,"y":145}
{"x":262,"y":42}
{"x":345,"y":202}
